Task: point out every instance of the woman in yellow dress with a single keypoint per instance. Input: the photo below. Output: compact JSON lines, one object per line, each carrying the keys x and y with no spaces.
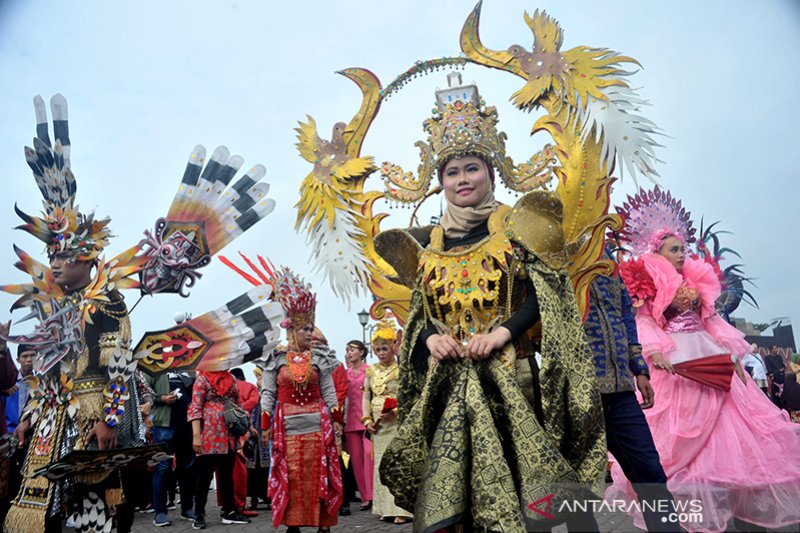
{"x":380,"y":419}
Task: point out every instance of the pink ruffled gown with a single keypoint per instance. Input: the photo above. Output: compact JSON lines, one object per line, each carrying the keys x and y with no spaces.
{"x":735,"y":452}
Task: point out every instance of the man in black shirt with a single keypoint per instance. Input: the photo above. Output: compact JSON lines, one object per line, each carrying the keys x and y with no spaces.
{"x":775,"y":374}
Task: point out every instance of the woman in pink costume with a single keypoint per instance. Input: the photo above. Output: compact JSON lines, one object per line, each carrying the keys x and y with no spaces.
{"x":726,"y":454}
{"x":358,"y":444}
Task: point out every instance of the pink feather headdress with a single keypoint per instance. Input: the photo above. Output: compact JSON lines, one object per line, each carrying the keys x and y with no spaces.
{"x":652,"y":216}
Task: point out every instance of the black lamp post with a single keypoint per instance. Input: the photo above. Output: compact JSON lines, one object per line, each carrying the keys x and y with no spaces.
{"x":363,"y":319}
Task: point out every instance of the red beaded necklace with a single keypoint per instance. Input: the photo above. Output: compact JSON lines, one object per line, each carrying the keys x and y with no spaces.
{"x":299,"y":364}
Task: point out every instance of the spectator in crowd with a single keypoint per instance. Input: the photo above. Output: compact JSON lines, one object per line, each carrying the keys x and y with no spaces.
{"x":185,"y":464}
{"x":248,"y":399}
{"x":8,"y":374}
{"x":791,"y":389}
{"x":775,"y":375}
{"x":171,"y":397}
{"x":258,"y":462}
{"x":355,"y":434}
{"x":754,"y":364}
{"x":214,"y":444}
{"x":14,"y":399}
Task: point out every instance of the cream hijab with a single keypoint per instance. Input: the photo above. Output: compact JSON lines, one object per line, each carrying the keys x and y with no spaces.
{"x":458,"y":221}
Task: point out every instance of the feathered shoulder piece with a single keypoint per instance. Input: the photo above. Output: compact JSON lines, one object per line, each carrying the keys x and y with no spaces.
{"x":324,"y":358}
{"x":651,"y":216}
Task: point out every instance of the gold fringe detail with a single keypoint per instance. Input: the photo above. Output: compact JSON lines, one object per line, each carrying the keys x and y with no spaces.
{"x":124,"y":335}
{"x":78,"y":367}
{"x":89,"y":413}
{"x":93,"y":479}
{"x":24,"y":520}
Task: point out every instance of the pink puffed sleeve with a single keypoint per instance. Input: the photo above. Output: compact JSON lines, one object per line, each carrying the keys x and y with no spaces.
{"x":727,"y":335}
{"x":652,"y":338}
{"x":667,"y":281}
{"x":701,"y":276}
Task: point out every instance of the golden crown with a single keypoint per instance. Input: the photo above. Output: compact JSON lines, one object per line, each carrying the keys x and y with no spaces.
{"x":462,"y":125}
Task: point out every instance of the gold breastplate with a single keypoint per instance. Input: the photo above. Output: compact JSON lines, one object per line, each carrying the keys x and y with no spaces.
{"x":381,"y":378}
{"x":466,"y":286}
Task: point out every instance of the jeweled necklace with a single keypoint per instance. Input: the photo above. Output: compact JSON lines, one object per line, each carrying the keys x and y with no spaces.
{"x":299,"y":364}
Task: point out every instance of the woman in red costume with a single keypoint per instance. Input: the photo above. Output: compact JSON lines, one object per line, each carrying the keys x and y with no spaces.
{"x":299,"y":406}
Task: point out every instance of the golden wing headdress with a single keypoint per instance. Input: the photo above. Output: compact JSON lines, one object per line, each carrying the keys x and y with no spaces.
{"x":591,"y":115}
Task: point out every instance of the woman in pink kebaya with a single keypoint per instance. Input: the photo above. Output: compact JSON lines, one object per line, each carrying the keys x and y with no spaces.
{"x":356,"y":440}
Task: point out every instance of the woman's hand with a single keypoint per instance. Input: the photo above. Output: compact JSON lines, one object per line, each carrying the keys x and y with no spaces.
{"x":739,"y":372}
{"x":338,"y":429}
{"x":372,"y":427}
{"x":197,"y":442}
{"x":266,"y":436}
{"x":662,"y":364}
{"x":481,"y":346}
{"x":444,"y":347}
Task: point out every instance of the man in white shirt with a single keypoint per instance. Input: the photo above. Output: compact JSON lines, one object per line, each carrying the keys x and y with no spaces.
{"x":754,"y":364}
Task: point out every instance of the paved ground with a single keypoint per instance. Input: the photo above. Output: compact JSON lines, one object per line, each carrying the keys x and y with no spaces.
{"x":359,"y":521}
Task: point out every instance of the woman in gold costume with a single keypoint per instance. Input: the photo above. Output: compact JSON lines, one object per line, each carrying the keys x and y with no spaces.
{"x":380,"y":419}
{"x":488,"y":440}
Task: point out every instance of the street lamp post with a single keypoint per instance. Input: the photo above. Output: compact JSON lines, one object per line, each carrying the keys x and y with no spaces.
{"x":366,"y":331}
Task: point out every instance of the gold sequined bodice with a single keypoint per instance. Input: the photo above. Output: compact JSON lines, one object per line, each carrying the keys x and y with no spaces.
{"x":467,"y":288}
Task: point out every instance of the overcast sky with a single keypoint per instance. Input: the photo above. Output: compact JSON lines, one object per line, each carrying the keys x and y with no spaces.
{"x":146,"y":81}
